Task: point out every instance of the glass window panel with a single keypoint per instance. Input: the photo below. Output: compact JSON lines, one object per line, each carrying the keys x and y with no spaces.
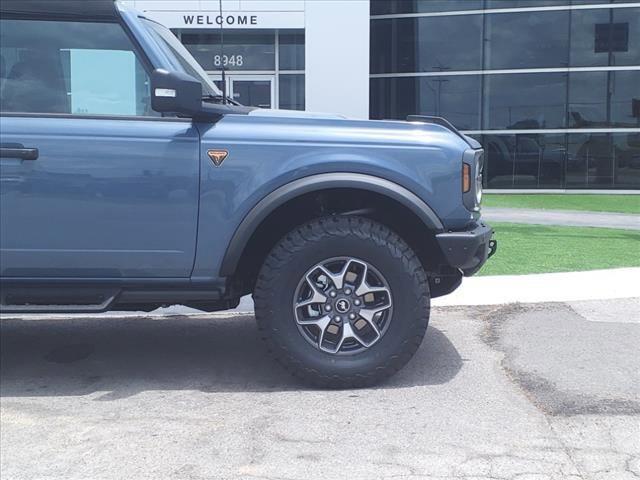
{"x":292,"y":93}
{"x":590,"y":161}
{"x":604,"y":99}
{"x":456,"y":98}
{"x":500,"y":160}
{"x":603,"y":37}
{"x":624,"y":87}
{"x":71,"y":67}
{"x":254,"y":93}
{"x":525,"y":100}
{"x":291,"y":53}
{"x":587,"y":99}
{"x":525,"y":160}
{"x":527,"y":40}
{"x":386,"y":7}
{"x":626,"y":152}
{"x":539,"y":160}
{"x":246,"y":50}
{"x":426,"y":44}
{"x":525,"y":3}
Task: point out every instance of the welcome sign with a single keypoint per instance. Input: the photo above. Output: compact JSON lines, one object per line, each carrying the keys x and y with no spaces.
{"x":231,"y":20}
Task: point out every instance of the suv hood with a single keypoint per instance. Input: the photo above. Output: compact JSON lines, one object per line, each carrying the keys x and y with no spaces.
{"x":261,"y":112}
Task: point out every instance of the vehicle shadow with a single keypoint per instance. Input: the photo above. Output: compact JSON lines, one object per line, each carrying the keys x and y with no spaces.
{"x":125,"y":356}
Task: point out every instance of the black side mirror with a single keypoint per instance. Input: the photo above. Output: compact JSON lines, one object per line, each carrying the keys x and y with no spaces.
{"x":175,"y":92}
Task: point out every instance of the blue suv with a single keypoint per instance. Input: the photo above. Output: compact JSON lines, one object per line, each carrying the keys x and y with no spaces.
{"x":129,"y":182}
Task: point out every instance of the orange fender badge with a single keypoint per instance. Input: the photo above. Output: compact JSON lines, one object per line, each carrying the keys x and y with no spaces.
{"x":218,"y":156}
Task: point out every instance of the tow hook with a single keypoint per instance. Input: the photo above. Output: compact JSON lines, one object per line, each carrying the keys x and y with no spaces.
{"x":493,"y":246}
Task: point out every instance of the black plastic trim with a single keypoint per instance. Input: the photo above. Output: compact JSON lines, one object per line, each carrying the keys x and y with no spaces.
{"x":443,"y":122}
{"x":111,"y":294}
{"x":314,"y":183}
{"x":466,"y":250}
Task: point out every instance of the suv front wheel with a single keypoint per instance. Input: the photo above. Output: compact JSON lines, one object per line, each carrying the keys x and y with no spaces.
{"x":342,"y":302}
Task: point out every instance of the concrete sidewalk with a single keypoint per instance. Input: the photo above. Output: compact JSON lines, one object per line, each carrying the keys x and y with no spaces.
{"x":546,"y":287}
{"x":568,"y":218}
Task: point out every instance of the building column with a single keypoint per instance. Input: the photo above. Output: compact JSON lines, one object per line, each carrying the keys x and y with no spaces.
{"x":337,"y":57}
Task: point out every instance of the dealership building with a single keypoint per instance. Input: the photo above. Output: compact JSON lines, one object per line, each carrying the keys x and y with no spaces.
{"x":551,"y":88}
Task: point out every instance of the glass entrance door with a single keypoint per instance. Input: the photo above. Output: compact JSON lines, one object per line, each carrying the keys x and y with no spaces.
{"x":253,"y":91}
{"x":250,"y":90}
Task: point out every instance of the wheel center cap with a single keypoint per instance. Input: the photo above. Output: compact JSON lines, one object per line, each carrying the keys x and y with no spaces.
{"x":343,"y":305}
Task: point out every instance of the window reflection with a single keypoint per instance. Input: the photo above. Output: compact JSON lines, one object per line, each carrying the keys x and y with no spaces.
{"x":588,"y":99}
{"x":626,"y":160}
{"x":590,"y":161}
{"x":426,"y":44}
{"x":291,"y":45}
{"x":526,"y":3}
{"x":457,"y":98}
{"x":525,"y":101}
{"x":386,"y":7}
{"x":624,"y":87}
{"x":604,"y":99}
{"x":599,"y":160}
{"x":526,"y":160}
{"x":292,"y":92}
{"x":527,"y":40}
{"x":602,"y":37}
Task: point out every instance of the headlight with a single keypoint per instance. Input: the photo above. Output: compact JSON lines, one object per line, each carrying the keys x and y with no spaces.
{"x":479,"y":169}
{"x":472,"y":166}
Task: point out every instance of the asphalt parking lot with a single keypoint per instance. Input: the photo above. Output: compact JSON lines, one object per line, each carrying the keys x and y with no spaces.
{"x":513,"y":392}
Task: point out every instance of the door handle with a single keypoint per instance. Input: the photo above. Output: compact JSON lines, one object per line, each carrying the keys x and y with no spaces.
{"x":18,"y":151}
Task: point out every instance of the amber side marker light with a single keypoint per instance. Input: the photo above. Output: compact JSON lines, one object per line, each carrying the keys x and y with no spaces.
{"x":466,"y":177}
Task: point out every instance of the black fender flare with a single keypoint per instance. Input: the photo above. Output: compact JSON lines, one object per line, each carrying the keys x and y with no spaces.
{"x":314,"y":183}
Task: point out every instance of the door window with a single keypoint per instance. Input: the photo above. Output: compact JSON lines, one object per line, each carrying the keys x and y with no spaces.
{"x":78,"y":68}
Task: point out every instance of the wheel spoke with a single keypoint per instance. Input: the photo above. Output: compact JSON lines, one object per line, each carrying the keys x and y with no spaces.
{"x":369,"y":314}
{"x":322,"y":323}
{"x":364,"y":288}
{"x":316,"y":297}
{"x":348,"y":332}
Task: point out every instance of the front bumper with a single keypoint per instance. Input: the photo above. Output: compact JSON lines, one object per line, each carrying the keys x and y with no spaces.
{"x":469,"y":249}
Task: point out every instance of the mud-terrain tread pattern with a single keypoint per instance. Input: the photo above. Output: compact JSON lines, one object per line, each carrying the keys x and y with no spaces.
{"x":316,"y":231}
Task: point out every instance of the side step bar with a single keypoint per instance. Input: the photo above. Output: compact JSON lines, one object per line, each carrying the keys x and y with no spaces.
{"x":23,"y":305}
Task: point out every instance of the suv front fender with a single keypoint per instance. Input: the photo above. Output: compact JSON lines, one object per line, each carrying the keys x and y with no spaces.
{"x":315,"y":183}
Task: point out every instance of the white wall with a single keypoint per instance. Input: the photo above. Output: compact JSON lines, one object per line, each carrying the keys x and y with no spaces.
{"x":337,"y":56}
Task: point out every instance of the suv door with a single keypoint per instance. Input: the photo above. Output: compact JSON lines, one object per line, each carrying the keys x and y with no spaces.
{"x":93,"y":182}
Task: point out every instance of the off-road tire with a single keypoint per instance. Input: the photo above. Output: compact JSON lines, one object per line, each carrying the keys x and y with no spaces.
{"x":337,"y":236}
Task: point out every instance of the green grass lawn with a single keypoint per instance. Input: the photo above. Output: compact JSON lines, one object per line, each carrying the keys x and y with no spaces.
{"x":526,"y":249}
{"x":593,"y":203}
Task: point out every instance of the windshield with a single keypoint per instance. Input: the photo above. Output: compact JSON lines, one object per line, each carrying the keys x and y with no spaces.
{"x":164,"y":36}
